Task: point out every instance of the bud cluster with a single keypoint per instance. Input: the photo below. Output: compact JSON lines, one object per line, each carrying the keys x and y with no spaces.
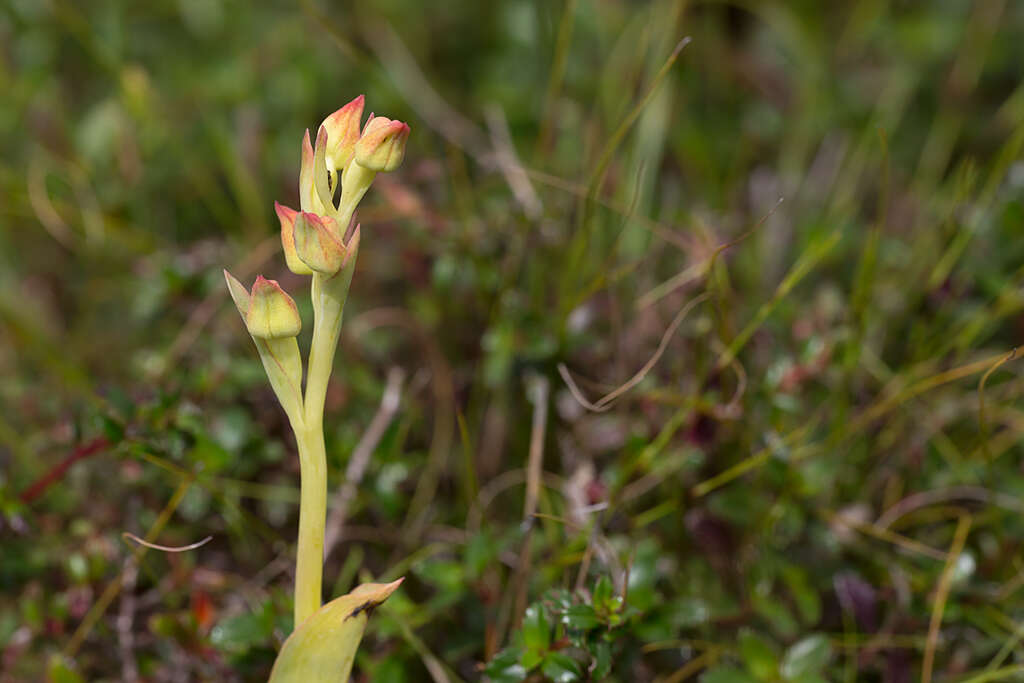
{"x":317,"y":238}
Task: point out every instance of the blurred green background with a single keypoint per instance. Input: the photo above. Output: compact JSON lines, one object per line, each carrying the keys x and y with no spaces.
{"x":811,"y":472}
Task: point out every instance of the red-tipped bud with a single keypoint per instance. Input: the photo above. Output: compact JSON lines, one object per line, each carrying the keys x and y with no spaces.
{"x":343,"y":133}
{"x":272,"y":313}
{"x":382,"y":145}
{"x":318,"y":243}
{"x":314,"y":193}
{"x":287,"y":217}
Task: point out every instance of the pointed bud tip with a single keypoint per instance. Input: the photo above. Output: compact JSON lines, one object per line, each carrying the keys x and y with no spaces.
{"x":343,"y":133}
{"x":285,"y":213}
{"x":356,"y":105}
{"x":376,"y":592}
{"x":239,"y":294}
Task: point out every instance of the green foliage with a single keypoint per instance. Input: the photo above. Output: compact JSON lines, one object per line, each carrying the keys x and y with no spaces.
{"x":802,"y":662}
{"x":774,"y":496}
{"x":566,"y":638}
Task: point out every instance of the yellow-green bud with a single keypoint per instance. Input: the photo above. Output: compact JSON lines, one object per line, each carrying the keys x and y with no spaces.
{"x":318,"y":243}
{"x":272,"y":313}
{"x":382,"y":145}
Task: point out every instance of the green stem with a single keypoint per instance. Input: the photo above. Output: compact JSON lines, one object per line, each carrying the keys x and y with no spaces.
{"x":328,"y":296}
{"x":327,"y":312}
{"x":309,"y":562}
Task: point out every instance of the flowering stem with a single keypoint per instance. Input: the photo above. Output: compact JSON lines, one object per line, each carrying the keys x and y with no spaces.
{"x":328,"y":295}
{"x":312,"y":512}
{"x":314,"y":242}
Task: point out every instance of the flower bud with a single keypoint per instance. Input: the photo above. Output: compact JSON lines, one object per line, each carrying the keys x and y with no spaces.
{"x":318,"y":243}
{"x":314,"y":191}
{"x":382,"y":145}
{"x":272,"y":313}
{"x":287,"y":217}
{"x":342,"y":134}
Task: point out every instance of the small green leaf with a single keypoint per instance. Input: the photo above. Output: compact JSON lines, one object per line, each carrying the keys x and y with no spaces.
{"x":759,"y":655}
{"x":536,"y":632}
{"x":112,"y":429}
{"x":581,"y":617}
{"x":531,"y":658}
{"x":603,"y":593}
{"x":505,"y":667}
{"x":807,"y":656}
{"x":807,"y":600}
{"x":242,"y":632}
{"x":602,"y":661}
{"x":777,"y":613}
{"x":561,"y":668}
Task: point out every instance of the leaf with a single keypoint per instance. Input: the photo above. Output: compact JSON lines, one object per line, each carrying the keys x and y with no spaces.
{"x":602,"y":661}
{"x":531,"y":658}
{"x":505,"y":667}
{"x":776,"y":612}
{"x":242,"y":632}
{"x":808,"y":602}
{"x":561,"y":668}
{"x":323,"y":648}
{"x":807,"y":656}
{"x":536,"y":632}
{"x":759,"y":655}
{"x":603,"y":593}
{"x":581,"y":618}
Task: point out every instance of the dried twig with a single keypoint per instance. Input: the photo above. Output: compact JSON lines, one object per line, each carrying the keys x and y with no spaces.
{"x":167,"y":548}
{"x":605,"y":402}
{"x":99,"y":607}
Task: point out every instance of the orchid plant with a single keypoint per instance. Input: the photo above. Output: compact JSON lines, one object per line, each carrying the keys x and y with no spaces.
{"x":320,"y":240}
